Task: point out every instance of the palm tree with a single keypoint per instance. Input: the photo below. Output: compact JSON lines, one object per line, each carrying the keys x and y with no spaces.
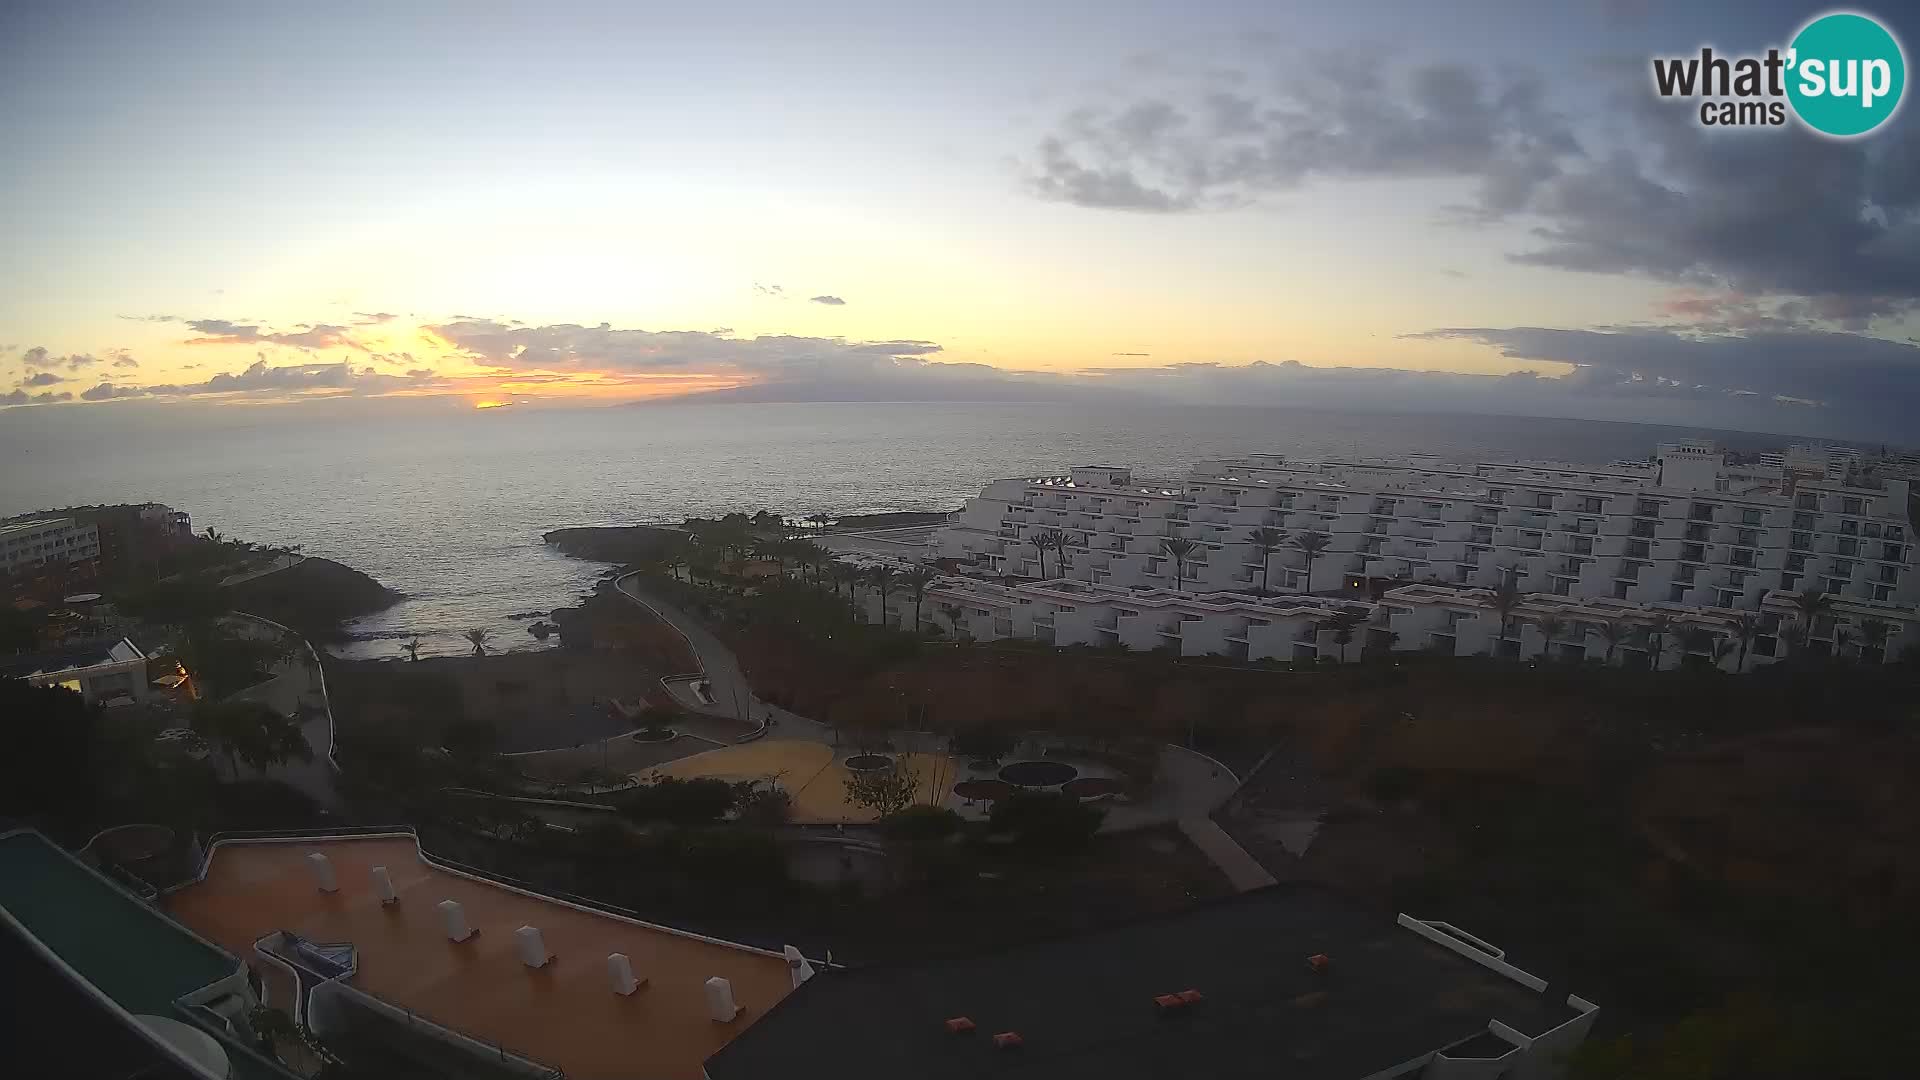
{"x":1614,"y":633}
{"x":411,"y":647}
{"x":1842,"y":637}
{"x":1551,"y":627}
{"x":916,"y":581}
{"x":1873,"y":638}
{"x":1045,"y":541}
{"x":1177,"y":549}
{"x":1311,"y":544}
{"x":479,"y":638}
{"x":1505,"y":599}
{"x":251,"y":732}
{"x":1344,"y":624}
{"x":1654,"y":636}
{"x":954,"y":613}
{"x":884,"y":579}
{"x":1745,"y":628}
{"x":849,"y":575}
{"x":1264,"y":541}
{"x":1808,"y":608}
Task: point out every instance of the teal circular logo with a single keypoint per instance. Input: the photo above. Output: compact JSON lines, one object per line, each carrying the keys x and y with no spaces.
{"x":1846,"y":74}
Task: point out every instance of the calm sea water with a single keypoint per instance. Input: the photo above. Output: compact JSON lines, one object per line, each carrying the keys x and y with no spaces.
{"x":448,"y":506}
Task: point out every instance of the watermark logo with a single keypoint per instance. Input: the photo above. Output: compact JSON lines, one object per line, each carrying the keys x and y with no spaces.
{"x":1842,"y":75}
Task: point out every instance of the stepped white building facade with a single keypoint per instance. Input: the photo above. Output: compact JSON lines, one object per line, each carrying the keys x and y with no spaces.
{"x":1414,"y":549}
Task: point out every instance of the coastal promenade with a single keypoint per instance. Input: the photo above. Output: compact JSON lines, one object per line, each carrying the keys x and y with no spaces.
{"x":297,"y":688}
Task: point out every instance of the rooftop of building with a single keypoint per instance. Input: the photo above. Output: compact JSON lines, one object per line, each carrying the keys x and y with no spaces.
{"x":564,"y":1014}
{"x":1085,"y":1006}
{"x":71,"y":658}
{"x":23,"y":524}
{"x":129,"y":951}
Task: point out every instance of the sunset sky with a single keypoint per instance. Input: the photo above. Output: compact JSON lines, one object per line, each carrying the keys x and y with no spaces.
{"x":1357,"y":204}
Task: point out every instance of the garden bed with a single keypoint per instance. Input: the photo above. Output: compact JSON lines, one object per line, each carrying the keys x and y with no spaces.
{"x":1038,"y":774}
{"x":983,"y":790}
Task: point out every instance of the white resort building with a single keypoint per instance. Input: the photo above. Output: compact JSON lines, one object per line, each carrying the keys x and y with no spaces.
{"x":1701,"y":556}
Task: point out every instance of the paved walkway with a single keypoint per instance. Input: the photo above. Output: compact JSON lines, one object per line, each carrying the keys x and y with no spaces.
{"x":1232,"y":859}
{"x":295,"y":682}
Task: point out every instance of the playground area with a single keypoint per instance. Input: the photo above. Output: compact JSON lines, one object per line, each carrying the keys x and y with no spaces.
{"x":815,"y":774}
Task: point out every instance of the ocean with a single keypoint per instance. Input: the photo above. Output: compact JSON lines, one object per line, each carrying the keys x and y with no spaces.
{"x":448,"y":506}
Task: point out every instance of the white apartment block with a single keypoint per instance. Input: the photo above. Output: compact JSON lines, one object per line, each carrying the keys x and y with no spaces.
{"x":1685,"y":534}
{"x":34,"y":542}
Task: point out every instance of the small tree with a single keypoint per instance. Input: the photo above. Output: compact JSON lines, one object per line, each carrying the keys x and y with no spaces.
{"x":1310,"y":543}
{"x":886,"y":791}
{"x":479,"y":638}
{"x":1047,"y":822}
{"x":916,"y":580}
{"x":1344,"y":624}
{"x":1265,"y":542}
{"x":1614,"y":633}
{"x":411,"y":647}
{"x":1177,"y":549}
{"x":247,"y":731}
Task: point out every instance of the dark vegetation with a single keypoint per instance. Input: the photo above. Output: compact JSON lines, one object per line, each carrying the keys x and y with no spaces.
{"x":1726,"y":864}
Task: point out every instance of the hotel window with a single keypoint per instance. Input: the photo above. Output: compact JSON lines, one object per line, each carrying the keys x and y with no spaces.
{"x":1690,"y":553}
{"x":1698,"y":532}
{"x":1701,"y":511}
{"x":1563,"y":586}
{"x":1750,"y":517}
{"x":1619,"y":590}
{"x":1843,"y":568}
{"x":1684,"y":574}
{"x":1800,"y":540}
{"x":1890,"y":574}
{"x":1834,"y":585}
{"x":1741,"y":557}
{"x":1849,"y":527}
{"x":1806,"y":521}
{"x":1850,"y":506}
{"x":1790,"y":582}
{"x":1796,"y":563}
{"x":1895,"y":532}
{"x":1647,"y":508}
{"x":1729,"y":598}
{"x":1591,"y":505}
{"x":1677,"y":594}
{"x":1642,"y":528}
{"x":1747,"y":537}
{"x":1846,"y":546}
{"x":1543,"y":500}
{"x":1807,"y":500}
{"x":1883,"y":592}
{"x":1639,"y":549}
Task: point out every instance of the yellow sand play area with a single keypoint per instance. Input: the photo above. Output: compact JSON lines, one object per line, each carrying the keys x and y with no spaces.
{"x":811,"y":772}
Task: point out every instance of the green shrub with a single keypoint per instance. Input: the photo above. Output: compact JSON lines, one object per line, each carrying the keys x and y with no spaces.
{"x":1047,"y":821}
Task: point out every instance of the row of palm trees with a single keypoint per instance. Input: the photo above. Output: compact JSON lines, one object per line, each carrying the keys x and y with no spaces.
{"x":1660,"y":631}
{"x":1264,"y":541}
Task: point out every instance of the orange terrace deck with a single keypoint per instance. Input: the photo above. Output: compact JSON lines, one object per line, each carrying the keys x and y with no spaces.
{"x":564,"y":1015}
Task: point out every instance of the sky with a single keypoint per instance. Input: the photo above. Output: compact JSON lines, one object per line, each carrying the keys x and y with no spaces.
{"x":1480,"y":207}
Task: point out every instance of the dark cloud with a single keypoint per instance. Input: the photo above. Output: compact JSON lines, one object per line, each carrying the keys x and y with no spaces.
{"x":35,"y":357}
{"x":566,"y":347}
{"x":370,"y":319}
{"x":1132,"y":354}
{"x":1650,"y":193}
{"x":125,"y":361}
{"x":225,"y":332}
{"x":830,"y":301}
{"x":1867,"y":377}
{"x":44,"y":378}
{"x":80,"y":360}
{"x":152,"y":318}
{"x":763,"y":290}
{"x":1202,"y":147}
{"x":107,"y":391}
{"x":21,"y":397}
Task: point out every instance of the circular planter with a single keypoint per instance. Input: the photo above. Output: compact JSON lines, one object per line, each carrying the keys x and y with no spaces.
{"x":1038,"y":773}
{"x":982,"y":790}
{"x":1091,"y":787}
{"x":867,"y":762}
{"x":657,"y":735}
{"x":133,"y":843}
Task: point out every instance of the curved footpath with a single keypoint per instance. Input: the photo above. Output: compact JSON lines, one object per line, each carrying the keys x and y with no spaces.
{"x":1191,"y":786}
